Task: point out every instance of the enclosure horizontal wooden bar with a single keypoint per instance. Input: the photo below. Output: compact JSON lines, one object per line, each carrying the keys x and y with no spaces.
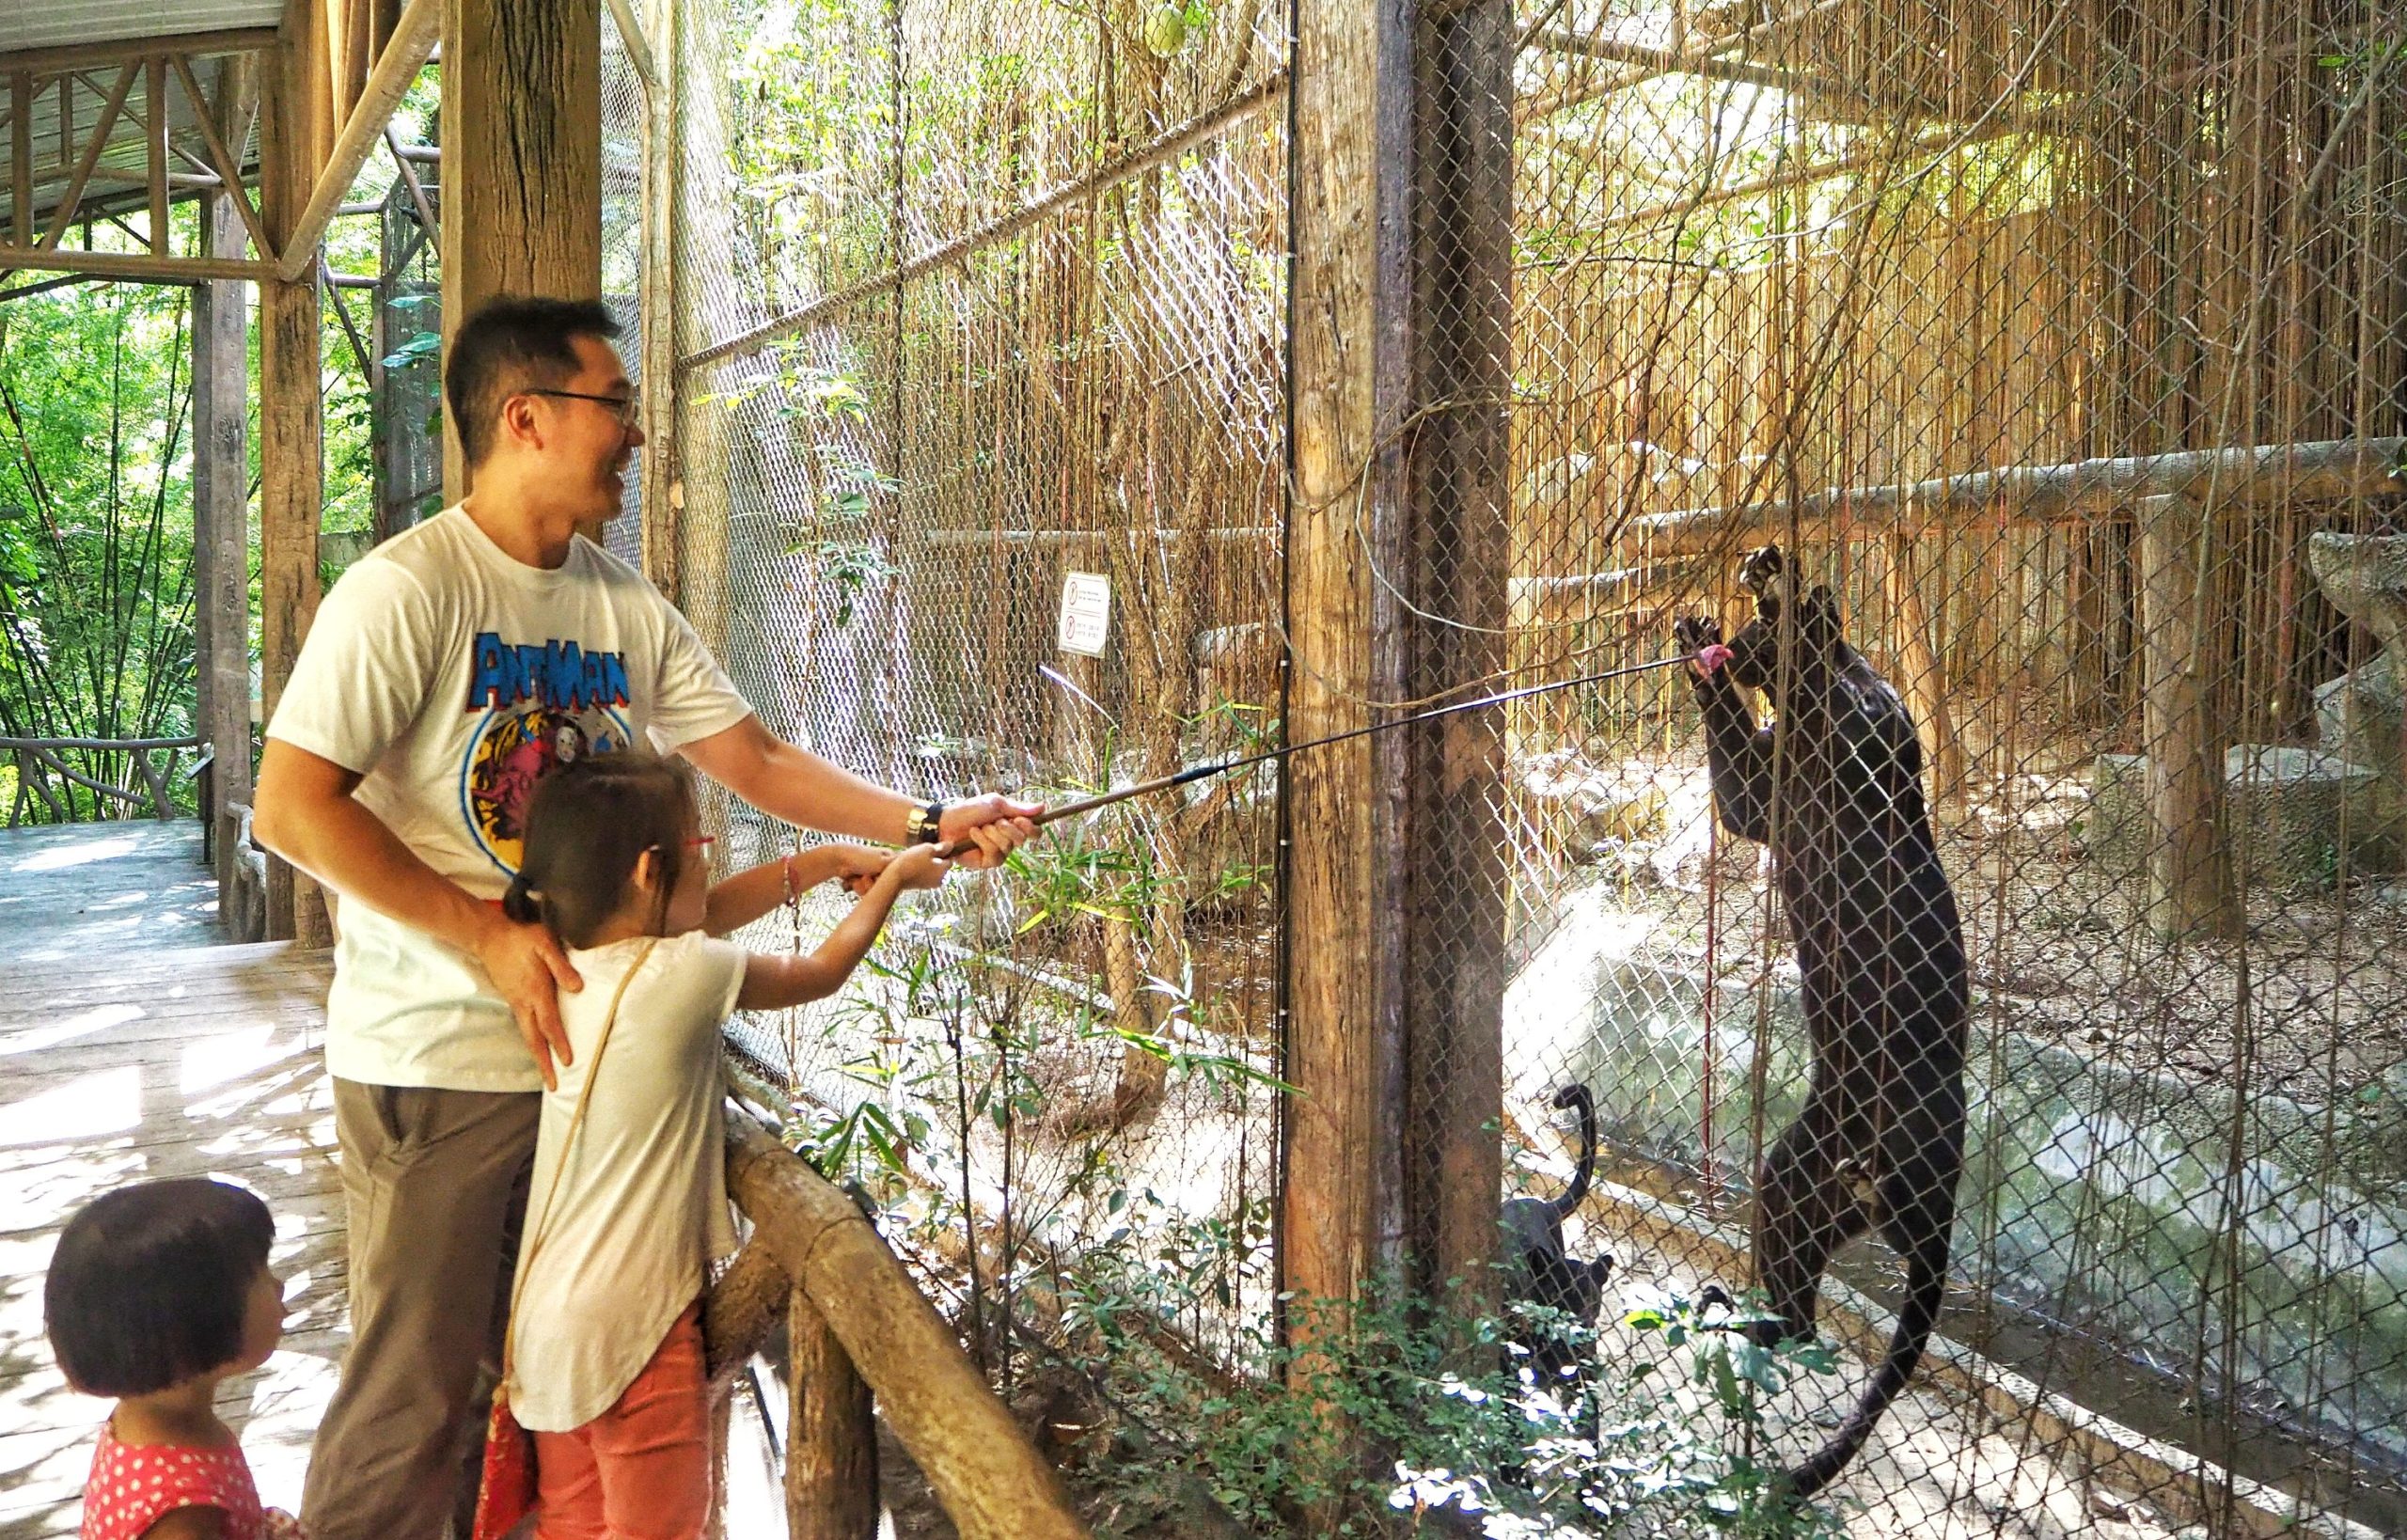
{"x":979,"y":540}
{"x":2331,"y":470}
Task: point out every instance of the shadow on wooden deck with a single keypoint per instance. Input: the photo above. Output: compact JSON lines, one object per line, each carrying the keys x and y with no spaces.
{"x":132,"y":1062}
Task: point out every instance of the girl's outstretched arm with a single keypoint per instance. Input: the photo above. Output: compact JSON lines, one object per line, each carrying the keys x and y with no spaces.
{"x":773,"y":983}
{"x":744,"y":897}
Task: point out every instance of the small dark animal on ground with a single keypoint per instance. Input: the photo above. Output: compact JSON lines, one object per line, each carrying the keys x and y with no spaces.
{"x":1539,"y":1271}
{"x":1834,"y":787}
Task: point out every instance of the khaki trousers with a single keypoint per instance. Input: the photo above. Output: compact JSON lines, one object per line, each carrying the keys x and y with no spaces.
{"x":434,"y":1186}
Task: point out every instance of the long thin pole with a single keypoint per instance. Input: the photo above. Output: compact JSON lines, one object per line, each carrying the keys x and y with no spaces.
{"x":1203,"y":772}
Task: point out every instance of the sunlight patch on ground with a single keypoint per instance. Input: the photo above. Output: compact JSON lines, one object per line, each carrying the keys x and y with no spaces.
{"x":99,"y":1019}
{"x":277,"y":1411}
{"x":105,"y":1102}
{"x":229,"y":1055}
{"x":78,"y":854}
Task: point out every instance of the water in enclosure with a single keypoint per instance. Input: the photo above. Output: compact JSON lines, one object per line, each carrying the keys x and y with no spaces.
{"x":2066,"y":344}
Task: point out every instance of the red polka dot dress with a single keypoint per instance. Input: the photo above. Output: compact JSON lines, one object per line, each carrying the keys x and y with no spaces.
{"x":133,"y":1487}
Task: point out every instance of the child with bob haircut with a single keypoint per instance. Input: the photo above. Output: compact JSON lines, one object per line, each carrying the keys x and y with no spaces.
{"x":628,"y":1198}
{"x":157,"y":1292}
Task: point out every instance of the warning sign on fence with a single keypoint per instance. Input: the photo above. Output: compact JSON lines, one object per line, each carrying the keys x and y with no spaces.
{"x":1086,"y":613}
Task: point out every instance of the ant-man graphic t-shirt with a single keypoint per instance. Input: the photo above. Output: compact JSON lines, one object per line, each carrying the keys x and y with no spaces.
{"x":452,"y":677}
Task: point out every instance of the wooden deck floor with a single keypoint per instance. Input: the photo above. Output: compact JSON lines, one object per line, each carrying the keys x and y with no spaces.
{"x":75,"y":890}
{"x":131,"y":1061}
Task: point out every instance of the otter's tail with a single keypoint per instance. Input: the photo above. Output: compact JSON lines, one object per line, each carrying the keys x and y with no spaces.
{"x":1576,"y":1094}
{"x":1926,"y":1287}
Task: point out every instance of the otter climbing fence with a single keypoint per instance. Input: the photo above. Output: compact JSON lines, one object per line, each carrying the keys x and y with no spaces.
{"x":2066,"y":345}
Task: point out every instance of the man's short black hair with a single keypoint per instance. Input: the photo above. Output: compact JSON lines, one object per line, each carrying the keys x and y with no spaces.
{"x":151,"y":1284}
{"x":510,"y":343}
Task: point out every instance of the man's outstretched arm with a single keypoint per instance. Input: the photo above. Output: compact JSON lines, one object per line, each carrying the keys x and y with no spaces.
{"x":798,"y":786}
{"x":306,"y":814}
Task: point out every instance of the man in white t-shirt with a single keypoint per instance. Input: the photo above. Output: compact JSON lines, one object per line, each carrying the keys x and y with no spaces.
{"x":446,"y":671}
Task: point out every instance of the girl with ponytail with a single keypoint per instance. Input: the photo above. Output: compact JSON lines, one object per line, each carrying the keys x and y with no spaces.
{"x":604,"y":1358}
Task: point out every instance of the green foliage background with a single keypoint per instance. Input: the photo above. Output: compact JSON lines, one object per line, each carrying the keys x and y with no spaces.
{"x":96,"y":602}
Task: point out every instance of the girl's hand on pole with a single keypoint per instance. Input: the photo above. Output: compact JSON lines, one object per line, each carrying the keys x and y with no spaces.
{"x":989,"y":828}
{"x":857,"y":866}
{"x":922,"y":866}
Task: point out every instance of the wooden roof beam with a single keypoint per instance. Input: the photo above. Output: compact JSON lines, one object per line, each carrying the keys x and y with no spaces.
{"x":230,"y":172}
{"x":65,"y":216}
{"x":412,"y":40}
{"x":123,"y":264}
{"x":239,"y":39}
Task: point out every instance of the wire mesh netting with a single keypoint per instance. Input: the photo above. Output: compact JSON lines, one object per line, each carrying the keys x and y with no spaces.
{"x":2062,"y":344}
{"x":2058,"y":349}
{"x":964,"y":318}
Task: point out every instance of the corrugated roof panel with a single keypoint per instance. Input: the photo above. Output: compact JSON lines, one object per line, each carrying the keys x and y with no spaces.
{"x":47,"y":24}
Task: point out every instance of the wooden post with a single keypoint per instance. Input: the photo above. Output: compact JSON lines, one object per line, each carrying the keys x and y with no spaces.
{"x":522,"y":162}
{"x":989,"y":1477}
{"x":700,"y":498}
{"x":296,"y":131}
{"x":2189,"y":870}
{"x":221,"y":520}
{"x":154,"y":146}
{"x":1461,"y":509}
{"x":1350,"y":304}
{"x":657,"y":299}
{"x":741,"y":1311}
{"x":831,"y":1435}
{"x":1925,"y":681}
{"x":21,"y":154}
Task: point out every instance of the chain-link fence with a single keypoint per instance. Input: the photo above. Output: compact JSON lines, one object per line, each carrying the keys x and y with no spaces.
{"x":975,"y":308}
{"x":2061,"y":344}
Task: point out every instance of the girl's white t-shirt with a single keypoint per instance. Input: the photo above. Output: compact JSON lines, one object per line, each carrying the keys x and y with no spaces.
{"x":641,"y":1209}
{"x":452,"y":677}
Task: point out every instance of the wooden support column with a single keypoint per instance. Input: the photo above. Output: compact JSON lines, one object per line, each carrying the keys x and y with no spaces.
{"x":1461,"y":515}
{"x":1922,"y":672}
{"x":221,"y":518}
{"x":1350,"y":304}
{"x":831,"y":1436}
{"x":656,"y":301}
{"x":2190,"y":891}
{"x":296,"y":134}
{"x":522,"y":161}
{"x":702,"y":502}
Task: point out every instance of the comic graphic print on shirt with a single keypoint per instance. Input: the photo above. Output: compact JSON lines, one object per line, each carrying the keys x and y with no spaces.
{"x":545,"y":704}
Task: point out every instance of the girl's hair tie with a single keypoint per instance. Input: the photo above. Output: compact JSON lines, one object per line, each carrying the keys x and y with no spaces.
{"x":524,"y":902}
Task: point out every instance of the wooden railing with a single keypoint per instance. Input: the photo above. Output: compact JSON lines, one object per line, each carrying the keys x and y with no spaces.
{"x":858,"y":1328}
{"x":39,"y":759}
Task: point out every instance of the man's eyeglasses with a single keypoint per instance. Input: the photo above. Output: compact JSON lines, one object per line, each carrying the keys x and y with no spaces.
{"x":622,"y":407}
